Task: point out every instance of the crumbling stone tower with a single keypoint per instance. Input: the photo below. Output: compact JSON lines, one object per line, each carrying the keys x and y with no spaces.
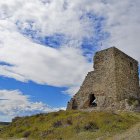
{"x":113,"y":85}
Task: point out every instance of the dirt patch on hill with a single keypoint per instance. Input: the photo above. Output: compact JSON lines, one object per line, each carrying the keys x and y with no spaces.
{"x":131,"y":134}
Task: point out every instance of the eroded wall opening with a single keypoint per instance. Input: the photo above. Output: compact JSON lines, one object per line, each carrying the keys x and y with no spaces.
{"x":92,"y":100}
{"x":74,"y":104}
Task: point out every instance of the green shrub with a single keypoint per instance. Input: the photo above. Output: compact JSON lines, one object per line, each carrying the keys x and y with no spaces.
{"x":26,"y":134}
{"x":91,"y":126}
{"x":57,"y":124}
{"x":45,"y":133}
{"x":69,"y":121}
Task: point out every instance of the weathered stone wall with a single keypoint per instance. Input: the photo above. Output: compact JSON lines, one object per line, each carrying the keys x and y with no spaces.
{"x":81,"y":97}
{"x":113,"y":81}
{"x":139,"y":93}
{"x":104,"y":86}
{"x":127,"y":79}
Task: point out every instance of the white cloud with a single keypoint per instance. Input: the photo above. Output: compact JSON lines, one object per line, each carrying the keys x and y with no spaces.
{"x":43,"y":65}
{"x":14,"y":103}
{"x":56,"y":16}
{"x":123,"y":25}
{"x":64,"y":66}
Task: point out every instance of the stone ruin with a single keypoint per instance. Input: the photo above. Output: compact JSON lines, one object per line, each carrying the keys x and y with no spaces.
{"x":113,"y":85}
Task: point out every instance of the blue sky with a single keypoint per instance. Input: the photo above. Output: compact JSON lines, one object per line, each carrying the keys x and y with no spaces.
{"x":37,"y":92}
{"x":47,"y":48}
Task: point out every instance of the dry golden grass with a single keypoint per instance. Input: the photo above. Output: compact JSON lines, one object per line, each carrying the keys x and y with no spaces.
{"x":71,"y":125}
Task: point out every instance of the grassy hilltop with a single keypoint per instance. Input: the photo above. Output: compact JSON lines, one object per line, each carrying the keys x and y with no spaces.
{"x":70,"y":125}
{"x":3,"y":124}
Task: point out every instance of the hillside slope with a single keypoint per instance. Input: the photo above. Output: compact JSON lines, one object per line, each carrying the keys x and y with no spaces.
{"x":131,"y":134}
{"x":72,"y":125}
{"x":3,"y":124}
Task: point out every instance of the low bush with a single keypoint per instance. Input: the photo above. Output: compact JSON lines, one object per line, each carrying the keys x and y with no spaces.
{"x":91,"y":126}
{"x":26,"y":134}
